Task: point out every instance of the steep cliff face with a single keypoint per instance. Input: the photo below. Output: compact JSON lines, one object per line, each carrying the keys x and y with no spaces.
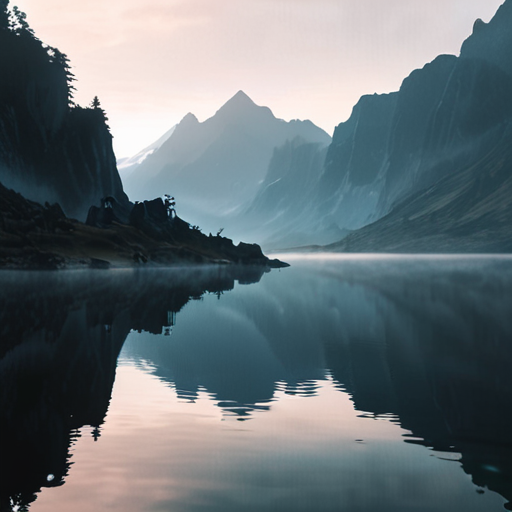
{"x":469,"y":210}
{"x":440,"y":119}
{"x":50,"y":151}
{"x":278,"y":215}
{"x":353,"y":177}
{"x":450,"y":191}
{"x":446,"y":118}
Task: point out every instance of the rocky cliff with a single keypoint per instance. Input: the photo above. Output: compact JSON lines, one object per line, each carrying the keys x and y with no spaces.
{"x":50,"y":150}
{"x":455,"y":196}
{"x":278,"y":215}
{"x":448,"y":117}
{"x":468,"y":210}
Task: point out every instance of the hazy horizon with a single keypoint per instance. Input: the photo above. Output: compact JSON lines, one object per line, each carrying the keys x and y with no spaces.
{"x":150,"y":65}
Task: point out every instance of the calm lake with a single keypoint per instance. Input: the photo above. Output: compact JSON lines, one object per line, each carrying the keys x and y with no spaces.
{"x":352,"y":383}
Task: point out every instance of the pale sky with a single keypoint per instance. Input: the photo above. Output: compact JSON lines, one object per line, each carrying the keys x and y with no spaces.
{"x":150,"y":62}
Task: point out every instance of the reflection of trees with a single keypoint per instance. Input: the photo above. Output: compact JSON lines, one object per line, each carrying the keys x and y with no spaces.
{"x":61,"y":334}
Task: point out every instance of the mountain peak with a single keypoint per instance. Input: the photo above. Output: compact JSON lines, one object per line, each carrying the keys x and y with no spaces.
{"x":492,"y":42}
{"x":241,"y":97}
{"x":189,"y":119}
{"x":242,"y":106}
{"x":239,"y":101}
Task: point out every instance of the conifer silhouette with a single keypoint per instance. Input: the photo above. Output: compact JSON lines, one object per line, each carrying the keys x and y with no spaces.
{"x":61,"y":59}
{"x":20,"y":23}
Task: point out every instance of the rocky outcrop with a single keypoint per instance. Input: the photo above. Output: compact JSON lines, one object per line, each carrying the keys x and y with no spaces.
{"x":50,"y":150}
{"x":33,"y":236}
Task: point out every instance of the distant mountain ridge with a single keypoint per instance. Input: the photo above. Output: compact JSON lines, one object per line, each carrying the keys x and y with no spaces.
{"x":449,"y":117}
{"x":215,"y":167}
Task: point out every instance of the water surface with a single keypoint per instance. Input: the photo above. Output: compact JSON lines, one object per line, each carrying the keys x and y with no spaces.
{"x":352,"y":383}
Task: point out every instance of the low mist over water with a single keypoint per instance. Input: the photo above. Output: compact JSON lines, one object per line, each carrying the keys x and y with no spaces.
{"x":352,"y":383}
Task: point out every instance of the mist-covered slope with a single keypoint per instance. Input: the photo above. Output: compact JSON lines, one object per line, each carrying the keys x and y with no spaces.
{"x":50,"y":150}
{"x":464,"y":202}
{"x":469,"y":210}
{"x":214,"y":168}
{"x":445,"y":125}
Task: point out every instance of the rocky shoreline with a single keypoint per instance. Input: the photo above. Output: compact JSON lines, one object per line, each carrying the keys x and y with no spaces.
{"x":37,"y":237}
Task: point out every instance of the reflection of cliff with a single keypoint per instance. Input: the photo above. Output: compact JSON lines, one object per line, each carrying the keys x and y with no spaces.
{"x":426,"y":345}
{"x":437,"y":355}
{"x":60,"y":335}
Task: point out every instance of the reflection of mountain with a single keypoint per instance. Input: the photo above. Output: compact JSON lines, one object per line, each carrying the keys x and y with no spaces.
{"x":60,"y":335}
{"x":427,"y":345}
{"x":228,"y":356}
{"x":441,"y":364}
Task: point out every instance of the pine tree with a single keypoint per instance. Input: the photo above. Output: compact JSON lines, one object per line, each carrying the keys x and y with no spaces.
{"x":96,"y":106}
{"x":20,"y":24}
{"x":61,"y":59}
